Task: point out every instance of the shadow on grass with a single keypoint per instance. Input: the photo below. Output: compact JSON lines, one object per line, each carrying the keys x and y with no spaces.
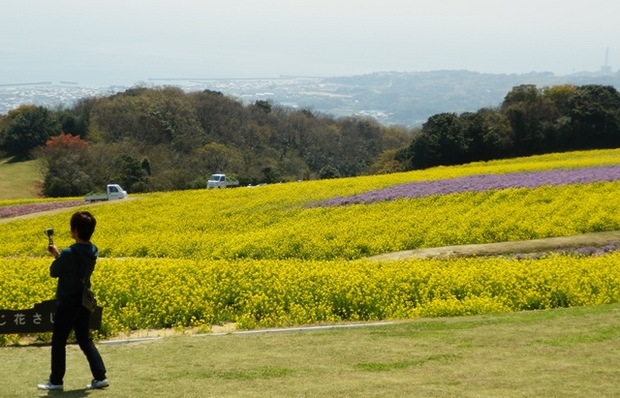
{"x":17,"y":159}
{"x":80,"y":392}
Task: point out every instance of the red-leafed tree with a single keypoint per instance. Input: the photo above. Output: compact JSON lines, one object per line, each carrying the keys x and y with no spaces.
{"x":64,"y":161}
{"x":67,"y":141}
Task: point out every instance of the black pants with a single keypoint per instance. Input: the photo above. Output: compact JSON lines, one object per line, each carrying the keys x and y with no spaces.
{"x":73,"y":316}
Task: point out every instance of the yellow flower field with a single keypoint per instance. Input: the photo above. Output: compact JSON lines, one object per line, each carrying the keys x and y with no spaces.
{"x":254,"y":223}
{"x":159,"y":293}
{"x":263,"y":256}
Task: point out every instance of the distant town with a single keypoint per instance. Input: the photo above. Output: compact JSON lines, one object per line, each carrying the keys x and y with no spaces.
{"x":48,"y":94}
{"x":291,"y":91}
{"x":391,"y":98}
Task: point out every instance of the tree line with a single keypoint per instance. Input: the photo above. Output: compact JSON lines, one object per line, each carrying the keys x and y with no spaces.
{"x":529,"y":121}
{"x":159,"y":139}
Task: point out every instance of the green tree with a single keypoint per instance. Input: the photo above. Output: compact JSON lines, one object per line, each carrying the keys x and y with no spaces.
{"x":358,"y":145}
{"x":442,"y":140}
{"x":561,"y":96}
{"x":72,"y":124}
{"x":220,"y":118}
{"x":30,"y":128}
{"x":265,"y":106}
{"x":387,"y":163}
{"x":315,"y":140}
{"x":145,"y":164}
{"x":488,"y":133}
{"x":328,"y":172}
{"x":216,"y":157}
{"x":560,"y":132}
{"x":596,"y":116}
{"x":149,"y":117}
{"x":530,"y":115}
{"x":269,"y":175}
{"x":128,"y":173}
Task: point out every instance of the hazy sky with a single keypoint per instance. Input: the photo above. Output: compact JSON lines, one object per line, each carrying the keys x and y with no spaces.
{"x":105,"y":42}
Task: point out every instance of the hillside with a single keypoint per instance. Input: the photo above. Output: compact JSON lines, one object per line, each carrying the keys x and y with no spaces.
{"x":19,"y":180}
{"x":410,"y":98}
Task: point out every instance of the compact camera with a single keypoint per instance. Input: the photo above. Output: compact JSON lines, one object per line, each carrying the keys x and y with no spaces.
{"x":50,"y":232}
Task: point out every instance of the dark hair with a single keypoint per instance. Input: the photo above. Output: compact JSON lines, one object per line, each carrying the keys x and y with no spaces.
{"x":84,"y":223}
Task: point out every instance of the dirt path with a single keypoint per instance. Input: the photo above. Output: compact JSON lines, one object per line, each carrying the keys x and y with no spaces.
{"x":596,"y":239}
{"x":59,"y":210}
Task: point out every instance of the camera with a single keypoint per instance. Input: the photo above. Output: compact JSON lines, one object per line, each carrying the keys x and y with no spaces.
{"x":50,"y":232}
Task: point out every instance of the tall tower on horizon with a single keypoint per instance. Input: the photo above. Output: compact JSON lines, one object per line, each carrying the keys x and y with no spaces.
{"x":606,"y":69}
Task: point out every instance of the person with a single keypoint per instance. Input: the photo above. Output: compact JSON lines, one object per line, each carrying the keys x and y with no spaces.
{"x":73,"y":267}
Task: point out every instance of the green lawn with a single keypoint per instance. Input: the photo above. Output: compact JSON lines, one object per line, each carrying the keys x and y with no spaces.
{"x":556,"y":353}
{"x":18,"y":180}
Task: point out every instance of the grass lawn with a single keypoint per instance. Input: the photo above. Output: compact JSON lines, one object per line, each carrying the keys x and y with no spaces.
{"x":18,"y":180}
{"x":570,"y":352}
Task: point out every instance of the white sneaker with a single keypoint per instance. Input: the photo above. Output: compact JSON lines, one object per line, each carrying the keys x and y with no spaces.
{"x":50,"y":387}
{"x":97,"y":384}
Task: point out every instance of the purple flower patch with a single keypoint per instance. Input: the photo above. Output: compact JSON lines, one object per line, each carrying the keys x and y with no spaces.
{"x":20,"y":210}
{"x":584,"y":251}
{"x":482,"y":182}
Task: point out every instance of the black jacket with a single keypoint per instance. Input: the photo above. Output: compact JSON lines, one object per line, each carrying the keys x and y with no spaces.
{"x":74,"y":263}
